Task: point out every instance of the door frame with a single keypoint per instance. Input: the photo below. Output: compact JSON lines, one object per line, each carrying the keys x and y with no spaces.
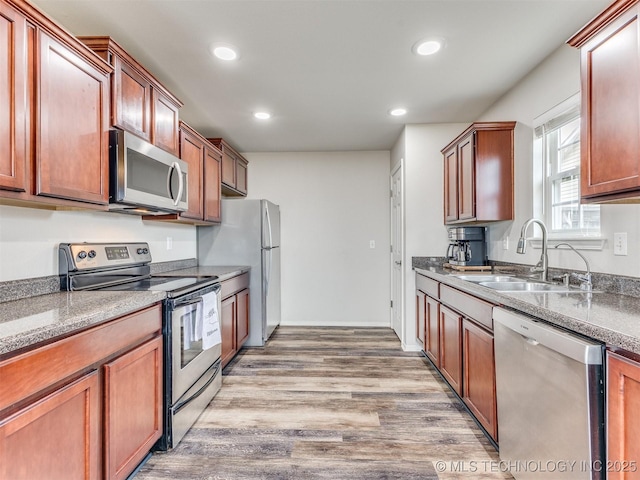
{"x":397,"y":169}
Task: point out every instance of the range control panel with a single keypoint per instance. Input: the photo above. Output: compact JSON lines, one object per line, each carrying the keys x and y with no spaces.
{"x":86,"y":256}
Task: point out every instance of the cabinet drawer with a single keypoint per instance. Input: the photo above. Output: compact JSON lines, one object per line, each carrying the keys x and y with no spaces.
{"x":38,"y":369}
{"x":234,"y":285}
{"x":472,"y":307}
{"x":427,"y":285}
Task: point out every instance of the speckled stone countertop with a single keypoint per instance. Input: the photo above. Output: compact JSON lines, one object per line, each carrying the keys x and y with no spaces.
{"x":611,"y":318}
{"x":30,"y":321}
{"x":222,"y":272}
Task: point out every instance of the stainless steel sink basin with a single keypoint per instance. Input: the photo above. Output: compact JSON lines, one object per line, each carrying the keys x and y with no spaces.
{"x":526,"y":286}
{"x":487,"y":277}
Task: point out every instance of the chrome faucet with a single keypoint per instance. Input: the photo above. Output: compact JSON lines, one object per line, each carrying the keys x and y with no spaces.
{"x":543,"y":264}
{"x":585,"y":280}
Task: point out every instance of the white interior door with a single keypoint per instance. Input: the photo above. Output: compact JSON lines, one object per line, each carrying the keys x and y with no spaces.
{"x":397,"y":286}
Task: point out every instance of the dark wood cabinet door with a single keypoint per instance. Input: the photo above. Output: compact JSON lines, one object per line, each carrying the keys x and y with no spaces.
{"x":228,"y":329}
{"x":241,"y":176}
{"x":228,"y":169}
{"x":432,"y":330}
{"x":212,"y":186}
{"x":420,"y":318}
{"x":610,"y":140}
{"x":165,"y":122}
{"x":133,"y":407}
{"x":14,"y":112}
{"x":192,"y":152}
{"x":466,"y":179}
{"x":57,"y":437}
{"x":480,"y":375}
{"x":131,"y":100}
{"x":242,"y":318}
{"x":451,"y":347}
{"x":451,"y":185}
{"x":73,"y":144}
{"x":623,"y":423}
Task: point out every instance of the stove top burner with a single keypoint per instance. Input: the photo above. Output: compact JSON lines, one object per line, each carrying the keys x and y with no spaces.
{"x":120,"y":267}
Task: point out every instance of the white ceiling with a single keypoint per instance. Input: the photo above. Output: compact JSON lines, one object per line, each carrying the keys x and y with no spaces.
{"x":330,"y":70}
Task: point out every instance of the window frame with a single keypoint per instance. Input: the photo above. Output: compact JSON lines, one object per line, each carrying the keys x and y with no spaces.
{"x":558,"y":116}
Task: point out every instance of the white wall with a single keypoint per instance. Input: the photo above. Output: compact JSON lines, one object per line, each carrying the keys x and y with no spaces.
{"x":554,"y":80}
{"x":29,"y":237}
{"x":331,"y":205}
{"x":425,"y":232}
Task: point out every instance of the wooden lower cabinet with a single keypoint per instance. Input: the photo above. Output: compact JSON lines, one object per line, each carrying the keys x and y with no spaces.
{"x":57,"y":437}
{"x":479,"y":375}
{"x":242,"y":330}
{"x":88,"y":406}
{"x":432,"y":330}
{"x":420,"y":317}
{"x":133,"y":407}
{"x":234,"y":319}
{"x":623,"y":423}
{"x":451,"y":347}
{"x":228,"y":329}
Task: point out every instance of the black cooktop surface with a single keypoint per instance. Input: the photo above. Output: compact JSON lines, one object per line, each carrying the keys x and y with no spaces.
{"x":172,"y":285}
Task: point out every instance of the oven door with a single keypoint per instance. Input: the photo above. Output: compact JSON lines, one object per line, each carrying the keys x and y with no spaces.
{"x":188,"y":357}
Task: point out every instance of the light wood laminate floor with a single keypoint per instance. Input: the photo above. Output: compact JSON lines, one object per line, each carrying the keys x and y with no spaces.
{"x":330,"y":403}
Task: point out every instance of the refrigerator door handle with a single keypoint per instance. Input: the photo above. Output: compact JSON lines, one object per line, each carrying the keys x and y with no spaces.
{"x":267,"y":273}
{"x":266,"y":209}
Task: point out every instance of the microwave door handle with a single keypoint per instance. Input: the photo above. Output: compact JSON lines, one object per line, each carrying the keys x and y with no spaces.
{"x":175,"y":166}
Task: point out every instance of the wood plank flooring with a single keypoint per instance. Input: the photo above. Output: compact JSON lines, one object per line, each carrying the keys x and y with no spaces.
{"x":330,"y":403}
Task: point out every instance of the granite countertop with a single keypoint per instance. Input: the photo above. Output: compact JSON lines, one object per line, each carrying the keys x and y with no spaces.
{"x":223,"y":272}
{"x":611,"y":318}
{"x":29,"y":321}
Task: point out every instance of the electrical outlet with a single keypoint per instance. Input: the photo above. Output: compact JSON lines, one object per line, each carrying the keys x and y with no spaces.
{"x":620,"y":243}
{"x":169,"y":243}
{"x":505,"y":243}
{"x":372,"y":244}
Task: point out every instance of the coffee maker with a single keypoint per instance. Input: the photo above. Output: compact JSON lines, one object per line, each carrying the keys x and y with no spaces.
{"x":467,"y":246}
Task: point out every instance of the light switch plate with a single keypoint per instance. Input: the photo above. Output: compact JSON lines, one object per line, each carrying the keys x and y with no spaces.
{"x":620,"y":243}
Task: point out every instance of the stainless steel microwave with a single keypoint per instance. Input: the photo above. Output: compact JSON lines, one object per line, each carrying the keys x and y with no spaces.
{"x":144,"y":179}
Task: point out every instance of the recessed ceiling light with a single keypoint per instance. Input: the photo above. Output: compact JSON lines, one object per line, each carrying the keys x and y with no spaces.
{"x":428,"y":46}
{"x":225,"y":52}
{"x":262,"y":115}
{"x":398,"y":112}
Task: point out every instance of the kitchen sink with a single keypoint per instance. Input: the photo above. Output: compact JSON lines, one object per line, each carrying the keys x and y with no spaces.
{"x":486,"y":277}
{"x":528,"y":286}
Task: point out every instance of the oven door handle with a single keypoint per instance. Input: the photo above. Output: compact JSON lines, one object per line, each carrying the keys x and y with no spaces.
{"x":189,"y":302}
{"x":186,"y":401}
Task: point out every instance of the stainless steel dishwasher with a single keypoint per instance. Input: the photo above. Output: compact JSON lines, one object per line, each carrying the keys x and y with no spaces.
{"x":550,"y":390}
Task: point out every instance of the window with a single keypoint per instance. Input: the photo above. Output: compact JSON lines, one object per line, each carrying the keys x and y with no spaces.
{"x":557,"y":155}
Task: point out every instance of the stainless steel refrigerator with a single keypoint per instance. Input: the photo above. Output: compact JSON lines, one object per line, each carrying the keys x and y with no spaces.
{"x":249,"y":235}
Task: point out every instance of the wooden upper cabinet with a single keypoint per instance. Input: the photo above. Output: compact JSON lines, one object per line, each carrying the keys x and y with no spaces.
{"x":73,"y":105}
{"x":212,"y":184}
{"x":610,"y":117}
{"x":192,"y":152}
{"x":54,"y":95}
{"x":478,"y":174}
{"x":204,"y":188}
{"x":451,"y":185}
{"x":14,"y":113}
{"x":130,"y":99}
{"x":234,"y":169}
{"x":140,"y":104}
{"x":165,"y":122}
